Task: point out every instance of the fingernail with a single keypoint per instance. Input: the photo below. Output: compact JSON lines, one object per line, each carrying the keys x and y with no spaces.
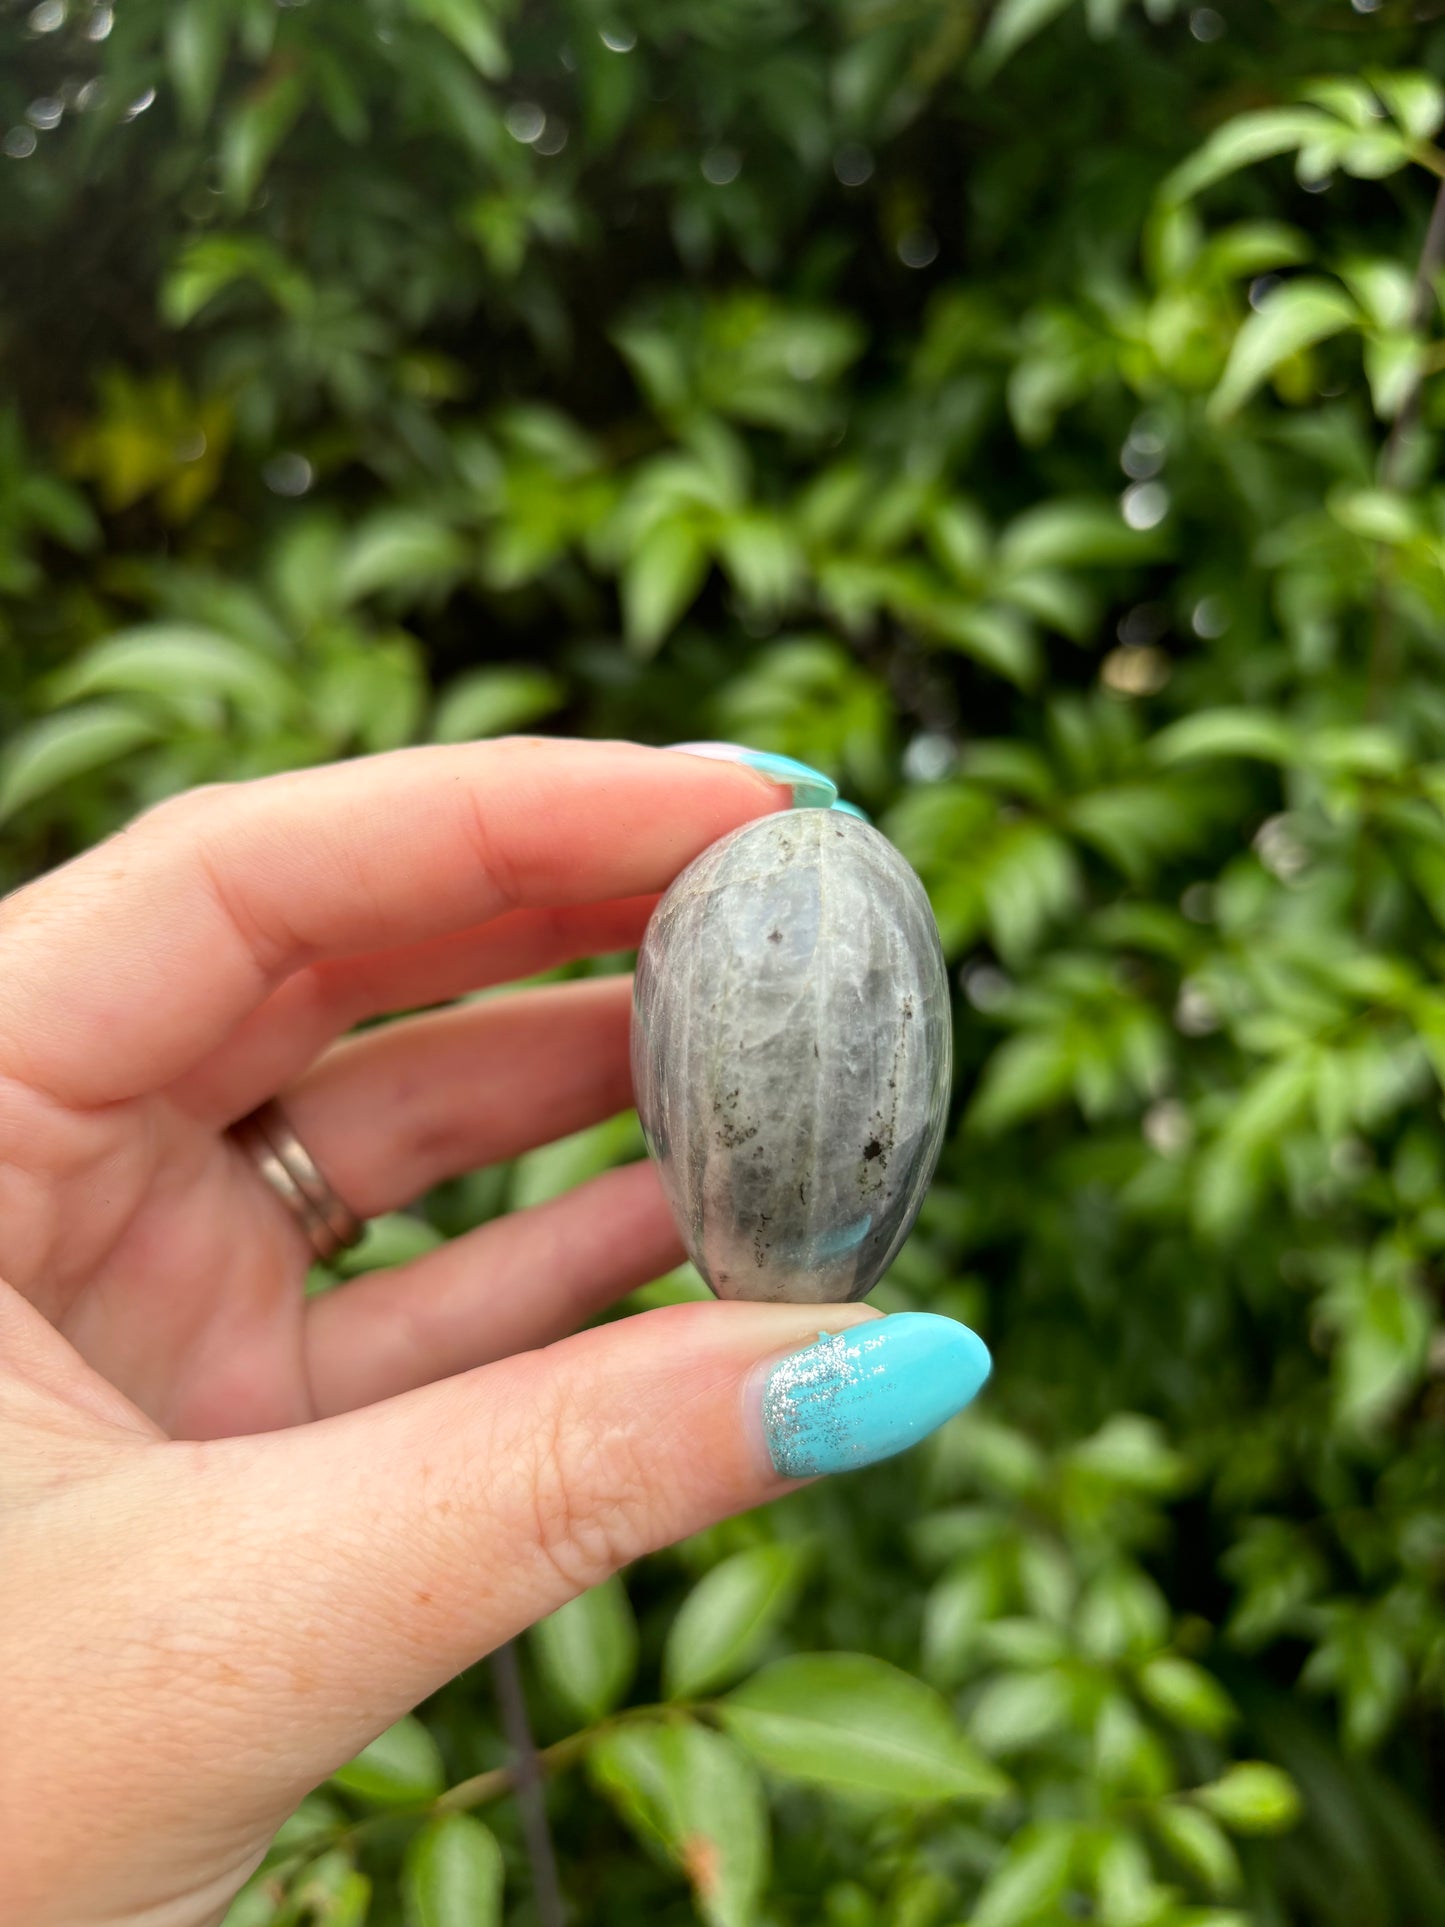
{"x":812,"y":790}
{"x":869,"y":1392}
{"x":852,"y":809}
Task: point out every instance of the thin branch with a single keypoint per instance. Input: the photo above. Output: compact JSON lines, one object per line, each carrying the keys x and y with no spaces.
{"x":479,"y":1791}
{"x":527,"y":1772}
{"x":485,"y":1787}
{"x":1422,"y":304}
{"x":1392,"y":456}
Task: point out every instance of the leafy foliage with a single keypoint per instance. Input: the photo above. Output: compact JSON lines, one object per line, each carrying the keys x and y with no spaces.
{"x":1028,"y":412}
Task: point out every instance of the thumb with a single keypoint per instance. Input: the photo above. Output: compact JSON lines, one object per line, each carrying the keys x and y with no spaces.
{"x":382,"y":1551}
{"x":229,"y":1621}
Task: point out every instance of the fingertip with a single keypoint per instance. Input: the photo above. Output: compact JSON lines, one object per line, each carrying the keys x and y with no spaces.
{"x":850,"y":1399}
{"x":805,"y":787}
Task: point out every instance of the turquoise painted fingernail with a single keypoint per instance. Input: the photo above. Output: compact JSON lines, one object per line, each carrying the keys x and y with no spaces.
{"x":812,"y":790}
{"x":869,"y":1392}
{"x":852,"y":809}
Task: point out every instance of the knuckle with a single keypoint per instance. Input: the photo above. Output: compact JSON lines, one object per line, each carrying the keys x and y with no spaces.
{"x":186,"y":812}
{"x":40,"y":906}
{"x":490,"y":852}
{"x":589,"y":1493}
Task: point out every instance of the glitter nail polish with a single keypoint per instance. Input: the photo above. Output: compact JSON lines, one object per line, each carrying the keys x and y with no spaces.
{"x":869,"y":1392}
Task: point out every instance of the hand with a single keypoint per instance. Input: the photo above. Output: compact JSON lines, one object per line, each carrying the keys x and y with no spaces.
{"x":218,"y":1577}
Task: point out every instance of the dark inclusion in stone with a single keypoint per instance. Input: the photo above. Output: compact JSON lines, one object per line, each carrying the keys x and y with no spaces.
{"x":791,"y":1046}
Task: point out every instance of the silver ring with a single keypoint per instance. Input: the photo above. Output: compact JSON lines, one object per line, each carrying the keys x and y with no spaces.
{"x":267,"y":1138}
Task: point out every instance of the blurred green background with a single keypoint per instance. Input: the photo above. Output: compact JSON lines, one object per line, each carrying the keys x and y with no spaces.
{"x":1028,"y":411}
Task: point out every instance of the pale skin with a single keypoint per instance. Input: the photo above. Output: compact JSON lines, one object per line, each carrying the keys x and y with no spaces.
{"x":240,"y":1531}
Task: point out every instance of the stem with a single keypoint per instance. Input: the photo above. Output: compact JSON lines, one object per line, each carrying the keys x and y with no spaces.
{"x":484,"y":1787}
{"x":527,"y":1769}
{"x":479,"y":1790}
{"x":1382,"y":641}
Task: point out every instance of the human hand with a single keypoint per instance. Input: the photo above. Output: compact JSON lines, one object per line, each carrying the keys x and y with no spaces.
{"x":241,"y":1531}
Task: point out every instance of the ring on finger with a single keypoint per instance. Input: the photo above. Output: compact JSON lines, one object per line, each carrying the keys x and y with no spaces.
{"x":267,"y":1137}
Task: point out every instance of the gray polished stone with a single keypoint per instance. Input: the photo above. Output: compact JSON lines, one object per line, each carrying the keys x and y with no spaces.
{"x":791,"y":1046}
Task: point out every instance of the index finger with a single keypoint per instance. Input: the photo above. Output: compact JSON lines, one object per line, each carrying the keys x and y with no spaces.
{"x":121,"y":969}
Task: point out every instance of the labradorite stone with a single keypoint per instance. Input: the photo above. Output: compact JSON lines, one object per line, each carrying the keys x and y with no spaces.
{"x":791,"y":1046}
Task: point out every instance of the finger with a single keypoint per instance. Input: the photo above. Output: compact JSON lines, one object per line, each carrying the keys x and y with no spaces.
{"x":328,"y":1577}
{"x":390,"y":1113}
{"x":279,"y":1039}
{"x":450,"y":1518}
{"x":43,"y":1380}
{"x":120,"y":971}
{"x":511,"y":1285}
{"x":332,"y":1576}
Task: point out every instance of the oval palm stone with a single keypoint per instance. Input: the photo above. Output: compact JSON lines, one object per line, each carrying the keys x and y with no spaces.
{"x":791,"y":1045}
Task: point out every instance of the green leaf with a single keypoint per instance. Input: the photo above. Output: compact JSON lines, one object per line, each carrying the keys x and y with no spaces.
{"x":331,"y":1892}
{"x":998,"y":637}
{"x":1122,"y":1613}
{"x":587,"y":1650}
{"x":399,"y":549}
{"x":1123,"y":1880}
{"x":1131,"y":1452}
{"x":470,"y":25}
{"x":1030,"y":1881}
{"x":1395,"y":365}
{"x":1384,"y":289}
{"x":694,"y":1799}
{"x":1252,"y":1797}
{"x":1060,"y":601}
{"x":1073,"y":533}
{"x":849,"y":1721}
{"x":1296,"y":316}
{"x":394,"y":1238}
{"x":1188,"y":1696}
{"x":1198,"y":1843}
{"x":1012,"y":23}
{"x":49,"y":754}
{"x":1385,"y":1332}
{"x":959,"y":538}
{"x":1374,"y":155}
{"x":401,"y":1767}
{"x":1210,"y":733}
{"x":494,"y":702}
{"x":254,"y":131}
{"x":1378,"y":514}
{"x":315,"y":1818}
{"x":303,"y":569}
{"x":1019,"y":1711}
{"x":214,"y":262}
{"x":1251,"y":247}
{"x":254,"y":1906}
{"x":372,"y":692}
{"x":569,"y":1161}
{"x":1348,"y":100}
{"x":1027,"y":1074}
{"x":60,"y":511}
{"x":726,"y":1618}
{"x":350,"y":1904}
{"x":1361,"y":1659}
{"x":176,"y":663}
{"x":660,"y":580}
{"x":1416,"y":101}
{"x":198,"y":33}
{"x":1240,"y":143}
{"x":452,"y":1874}
{"x":761,"y":557}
